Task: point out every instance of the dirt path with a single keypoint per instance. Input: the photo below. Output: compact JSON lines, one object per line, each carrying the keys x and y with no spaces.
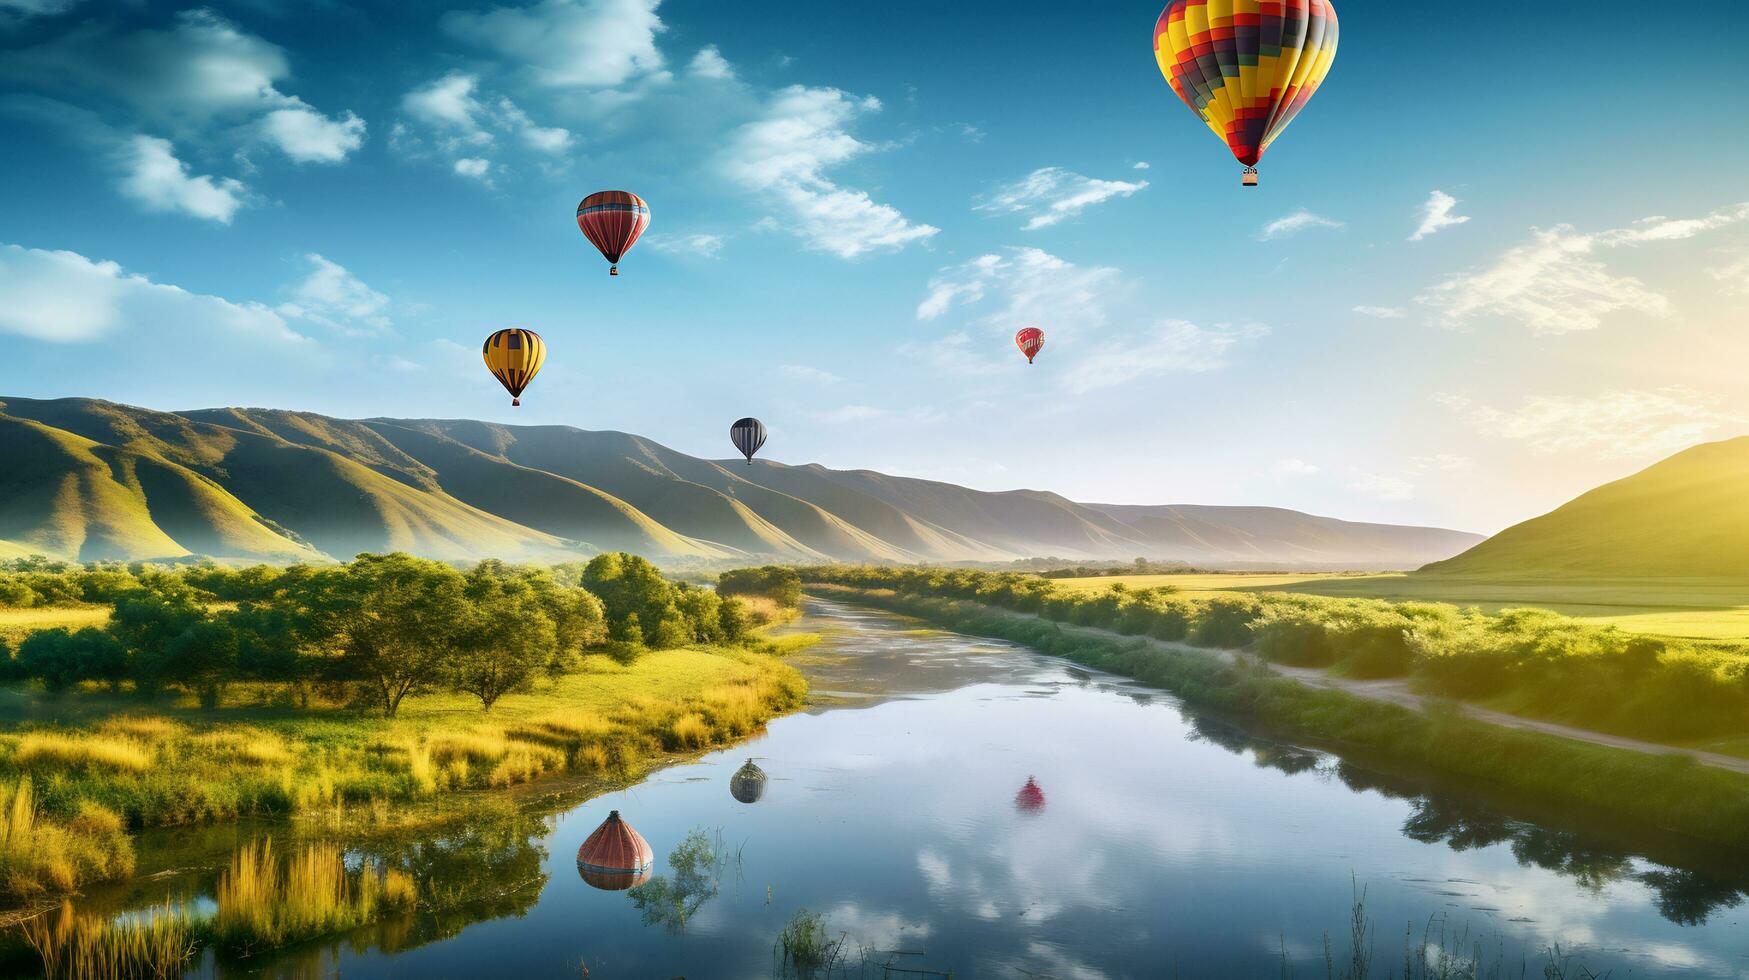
{"x":1398,"y":692}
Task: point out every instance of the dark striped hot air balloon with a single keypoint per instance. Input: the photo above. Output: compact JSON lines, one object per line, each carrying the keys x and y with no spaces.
{"x":1030,"y":340}
{"x":613,"y":220}
{"x":615,"y":857}
{"x":1246,"y":67}
{"x":514,"y":357}
{"x":1030,"y":799}
{"x":748,"y":435}
{"x":748,"y":783}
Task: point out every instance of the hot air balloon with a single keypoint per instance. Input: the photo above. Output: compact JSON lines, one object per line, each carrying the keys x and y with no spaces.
{"x":615,"y":857}
{"x":748,"y":435}
{"x":1030,"y":799}
{"x":613,"y":220}
{"x":1030,"y":340}
{"x":748,"y":783}
{"x":1246,"y":74}
{"x":514,"y":357}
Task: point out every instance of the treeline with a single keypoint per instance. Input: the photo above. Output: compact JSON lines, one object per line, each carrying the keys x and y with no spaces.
{"x":387,"y":627}
{"x":1527,"y":661}
{"x":779,"y":583}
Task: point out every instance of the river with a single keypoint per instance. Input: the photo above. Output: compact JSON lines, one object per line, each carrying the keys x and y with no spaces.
{"x":1157,"y":843}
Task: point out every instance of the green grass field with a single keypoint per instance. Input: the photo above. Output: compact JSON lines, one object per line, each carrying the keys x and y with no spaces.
{"x":1702,"y":609}
{"x":16,"y":624}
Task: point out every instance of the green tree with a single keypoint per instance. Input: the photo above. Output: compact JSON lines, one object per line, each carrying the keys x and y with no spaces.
{"x":628,"y":630}
{"x":147,"y":619}
{"x":778,"y":583}
{"x":50,"y":656}
{"x":732,"y":619}
{"x":397,"y":620}
{"x":203,"y":659}
{"x":509,"y":638}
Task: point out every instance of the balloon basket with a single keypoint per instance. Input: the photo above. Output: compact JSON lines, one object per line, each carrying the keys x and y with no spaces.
{"x":1250,"y":178}
{"x":613,"y":270}
{"x":515,"y":403}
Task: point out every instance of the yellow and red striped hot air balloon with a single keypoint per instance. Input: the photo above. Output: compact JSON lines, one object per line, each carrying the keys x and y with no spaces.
{"x":1246,"y":67}
{"x":514,"y":357}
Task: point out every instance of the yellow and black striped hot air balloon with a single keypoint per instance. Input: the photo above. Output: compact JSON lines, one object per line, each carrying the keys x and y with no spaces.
{"x":514,"y":357}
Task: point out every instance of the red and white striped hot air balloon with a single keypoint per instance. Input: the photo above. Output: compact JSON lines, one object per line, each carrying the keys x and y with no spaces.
{"x":613,"y":220}
{"x":1030,"y":340}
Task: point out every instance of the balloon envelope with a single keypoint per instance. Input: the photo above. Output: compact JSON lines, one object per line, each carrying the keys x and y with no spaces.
{"x":1030,"y":799}
{"x":1246,"y":67}
{"x":613,"y":220}
{"x":748,"y":435}
{"x":615,"y":856}
{"x":748,"y":783}
{"x":514,"y":357}
{"x":1030,"y":340}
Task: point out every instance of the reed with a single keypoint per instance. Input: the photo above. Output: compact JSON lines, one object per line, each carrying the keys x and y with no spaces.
{"x":265,"y":901}
{"x":153,"y":945}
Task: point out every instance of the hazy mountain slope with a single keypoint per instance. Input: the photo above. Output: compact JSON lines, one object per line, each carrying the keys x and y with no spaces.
{"x":1277,"y":534}
{"x":1685,"y":517}
{"x":67,"y":496}
{"x":97,"y":478}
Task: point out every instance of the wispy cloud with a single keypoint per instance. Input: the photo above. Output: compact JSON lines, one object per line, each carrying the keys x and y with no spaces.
{"x":784,"y":156}
{"x":338,"y":300}
{"x":1171,"y":346}
{"x":698,"y":243}
{"x":1381,"y":312}
{"x":1436,"y":214}
{"x":1052,"y":194}
{"x":1026,"y":286}
{"x":569,"y":43}
{"x":1293,"y":467}
{"x":159,"y":181}
{"x":459,"y":121}
{"x":1624,"y":422}
{"x":1557,"y":283}
{"x":802,"y":372}
{"x":1733,"y":276}
{"x":1292,"y":224}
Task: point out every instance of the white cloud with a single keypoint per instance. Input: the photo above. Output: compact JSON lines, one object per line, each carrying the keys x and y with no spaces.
{"x":474,"y":167}
{"x":1293,"y":224}
{"x":698,"y":243}
{"x":1172,"y":345}
{"x":851,"y":413}
{"x":784,"y":156}
{"x":449,"y":102}
{"x":307,"y":136}
{"x":196,"y":78}
{"x":1556,"y":283}
{"x":569,"y":43}
{"x":1051,"y":194}
{"x":1624,"y":422}
{"x":1381,"y":312}
{"x":64,"y":297}
{"x":1436,"y":214}
{"x":1294,"y":467}
{"x":956,"y":353}
{"x":1031,"y":287}
{"x":337,"y":299}
{"x":463,"y":119}
{"x":161,"y":182}
{"x":1141,"y":165}
{"x":1381,"y":486}
{"x":802,"y":372}
{"x":709,"y":63}
{"x":1733,"y":275}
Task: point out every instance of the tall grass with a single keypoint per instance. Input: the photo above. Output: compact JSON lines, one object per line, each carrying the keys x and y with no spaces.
{"x":265,"y":901}
{"x":39,"y":855}
{"x":156,"y":944}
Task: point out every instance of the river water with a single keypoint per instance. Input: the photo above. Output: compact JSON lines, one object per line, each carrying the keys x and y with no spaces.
{"x":1165,"y":844}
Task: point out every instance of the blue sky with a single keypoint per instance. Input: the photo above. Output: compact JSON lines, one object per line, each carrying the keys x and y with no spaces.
{"x":1499,"y":259}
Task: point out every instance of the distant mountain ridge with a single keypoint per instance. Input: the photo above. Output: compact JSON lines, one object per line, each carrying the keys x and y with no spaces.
{"x":86,"y":479}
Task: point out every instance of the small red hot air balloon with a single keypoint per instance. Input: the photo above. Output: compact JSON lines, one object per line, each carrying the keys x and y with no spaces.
{"x":615,"y":857}
{"x":1030,"y":799}
{"x":1030,"y":340}
{"x":613,"y":220}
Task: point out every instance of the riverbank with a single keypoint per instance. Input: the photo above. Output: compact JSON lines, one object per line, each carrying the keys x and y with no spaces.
{"x":1669,"y":793}
{"x":120,"y":769}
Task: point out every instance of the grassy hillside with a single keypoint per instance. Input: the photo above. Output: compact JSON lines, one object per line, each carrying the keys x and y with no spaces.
{"x":108,"y":480}
{"x":1684,"y":518}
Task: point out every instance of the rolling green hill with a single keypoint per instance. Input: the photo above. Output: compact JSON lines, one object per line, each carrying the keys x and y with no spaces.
{"x":95,"y":479}
{"x":1684,"y":518}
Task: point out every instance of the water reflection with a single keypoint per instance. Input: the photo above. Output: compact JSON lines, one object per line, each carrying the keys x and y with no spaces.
{"x":696,"y":865}
{"x":748,"y":783}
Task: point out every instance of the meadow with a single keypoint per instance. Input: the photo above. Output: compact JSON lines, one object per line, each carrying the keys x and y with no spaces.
{"x":1700,"y":609}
